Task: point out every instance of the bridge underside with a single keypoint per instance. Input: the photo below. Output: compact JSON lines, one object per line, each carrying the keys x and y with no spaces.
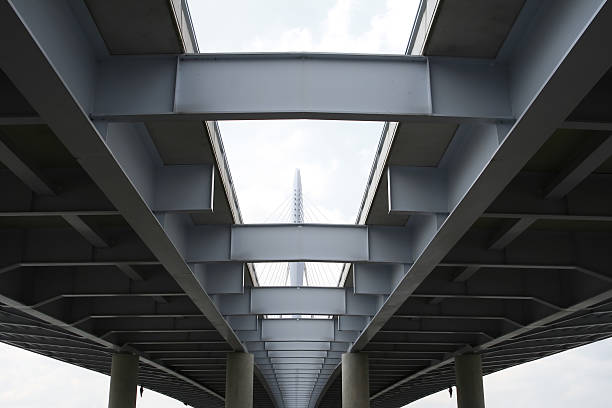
{"x":485,"y":228}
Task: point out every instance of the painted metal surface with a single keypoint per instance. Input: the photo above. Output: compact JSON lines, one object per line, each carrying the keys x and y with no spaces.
{"x":120,"y":259}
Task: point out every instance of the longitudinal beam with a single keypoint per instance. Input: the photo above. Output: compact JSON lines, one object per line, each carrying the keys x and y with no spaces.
{"x":51,"y":63}
{"x":545,"y":91}
{"x":300,"y":86}
{"x":493,"y":155}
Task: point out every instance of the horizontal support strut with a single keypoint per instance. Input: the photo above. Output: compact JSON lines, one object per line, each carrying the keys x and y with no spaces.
{"x":300,"y":86}
{"x":304,"y":242}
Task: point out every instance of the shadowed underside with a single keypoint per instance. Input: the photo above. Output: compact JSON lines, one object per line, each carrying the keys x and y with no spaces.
{"x":485,"y":227}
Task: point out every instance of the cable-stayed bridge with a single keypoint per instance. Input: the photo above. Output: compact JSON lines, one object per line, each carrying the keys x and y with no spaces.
{"x":482,"y":241}
{"x":297,"y":209}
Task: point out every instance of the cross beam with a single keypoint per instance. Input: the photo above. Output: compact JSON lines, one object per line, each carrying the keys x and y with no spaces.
{"x":300,"y":86}
{"x":291,"y":242}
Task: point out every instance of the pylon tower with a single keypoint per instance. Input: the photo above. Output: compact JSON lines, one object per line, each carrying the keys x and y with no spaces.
{"x":296,"y":269}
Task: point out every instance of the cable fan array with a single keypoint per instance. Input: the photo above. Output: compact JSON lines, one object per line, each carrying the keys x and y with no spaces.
{"x":315,"y":273}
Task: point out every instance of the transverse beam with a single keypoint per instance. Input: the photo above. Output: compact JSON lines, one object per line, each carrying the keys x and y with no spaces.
{"x":300,"y":86}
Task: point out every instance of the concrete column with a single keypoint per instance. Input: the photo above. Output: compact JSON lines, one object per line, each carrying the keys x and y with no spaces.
{"x":124,"y":381}
{"x":468,"y":375}
{"x":239,"y":380}
{"x":355,"y":381}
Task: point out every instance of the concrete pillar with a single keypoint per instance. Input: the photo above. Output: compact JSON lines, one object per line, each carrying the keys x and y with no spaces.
{"x":239,"y":380}
{"x":124,"y":381}
{"x":468,"y":375}
{"x":355,"y":381}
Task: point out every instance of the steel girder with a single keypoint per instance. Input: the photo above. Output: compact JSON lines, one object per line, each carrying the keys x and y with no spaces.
{"x":300,"y":86}
{"x":67,"y":78}
{"x":469,"y":189}
{"x":490,"y":159}
{"x":484,"y":152}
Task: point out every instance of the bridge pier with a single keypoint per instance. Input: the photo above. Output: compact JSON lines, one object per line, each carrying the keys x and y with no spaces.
{"x":124,"y":381}
{"x":239,"y":380}
{"x":355,"y":381}
{"x":468,"y":376}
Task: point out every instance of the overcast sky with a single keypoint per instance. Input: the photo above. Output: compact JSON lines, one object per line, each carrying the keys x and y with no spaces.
{"x":335,"y":159}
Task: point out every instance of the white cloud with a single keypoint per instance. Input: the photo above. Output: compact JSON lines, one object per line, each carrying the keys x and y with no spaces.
{"x":386,"y":32}
{"x":335,"y":159}
{"x":361,"y":26}
{"x":30,"y":380}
